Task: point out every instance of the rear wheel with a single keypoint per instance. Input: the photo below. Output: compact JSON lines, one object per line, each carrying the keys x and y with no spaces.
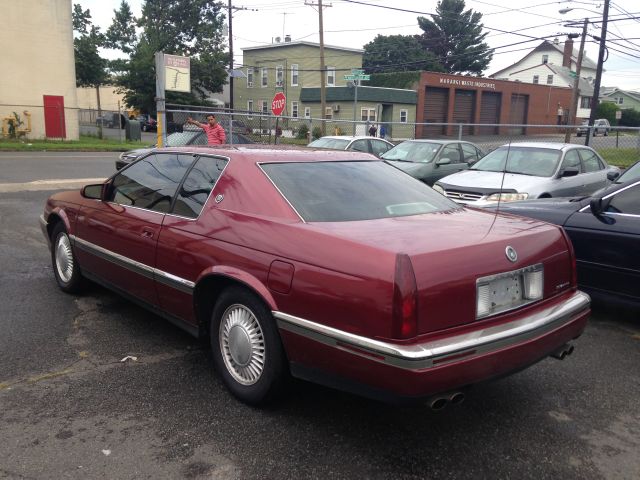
{"x":65,"y":266}
{"x":246,"y":346}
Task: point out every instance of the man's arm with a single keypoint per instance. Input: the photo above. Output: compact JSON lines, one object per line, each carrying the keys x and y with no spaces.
{"x":195,"y":122}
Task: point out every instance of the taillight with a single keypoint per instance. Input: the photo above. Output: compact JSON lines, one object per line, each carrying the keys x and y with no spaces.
{"x":405,"y":299}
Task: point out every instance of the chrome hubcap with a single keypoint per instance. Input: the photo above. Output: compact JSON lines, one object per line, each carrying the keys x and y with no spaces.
{"x":64,"y":258}
{"x":242,"y":344}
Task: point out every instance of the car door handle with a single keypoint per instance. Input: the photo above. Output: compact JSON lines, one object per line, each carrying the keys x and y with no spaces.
{"x":147,"y":233}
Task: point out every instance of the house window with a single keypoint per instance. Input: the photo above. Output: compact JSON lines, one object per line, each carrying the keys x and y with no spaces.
{"x":368,"y":114}
{"x":331,"y":76}
{"x":250,"y":105}
{"x":585,"y":102}
{"x":294,"y":75}
{"x":328,"y":113}
{"x":264,"y":107}
{"x":294,"y":109}
{"x":549,"y":79}
{"x":545,"y":58}
{"x":249,"y":77}
{"x":279,"y":76}
{"x":307,"y":112}
{"x":620,"y":100}
{"x":403,"y":116}
{"x":264,"y":73}
{"x":535,"y":78}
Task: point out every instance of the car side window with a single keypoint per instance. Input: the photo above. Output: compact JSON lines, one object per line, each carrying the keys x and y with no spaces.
{"x":452,"y":152}
{"x":197,"y":186}
{"x":571,"y":160}
{"x":359,"y":146}
{"x":151,"y":182}
{"x":379,"y":147}
{"x":469,"y":152}
{"x":590,"y":161}
{"x":627,"y":201}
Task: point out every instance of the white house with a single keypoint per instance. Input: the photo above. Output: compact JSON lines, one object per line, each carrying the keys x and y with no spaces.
{"x":554,"y":63}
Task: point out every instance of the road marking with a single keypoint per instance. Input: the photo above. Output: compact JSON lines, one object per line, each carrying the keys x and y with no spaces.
{"x":40,"y":185}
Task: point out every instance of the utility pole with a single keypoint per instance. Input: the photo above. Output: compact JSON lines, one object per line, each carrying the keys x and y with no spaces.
{"x":323,"y":68}
{"x":576,"y":84}
{"x":230,"y":59}
{"x":596,"y":86}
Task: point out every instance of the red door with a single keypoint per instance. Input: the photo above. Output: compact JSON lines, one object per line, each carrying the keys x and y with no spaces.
{"x":54,"y":126}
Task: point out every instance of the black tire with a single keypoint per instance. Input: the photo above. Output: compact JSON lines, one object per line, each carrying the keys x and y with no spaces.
{"x":63,"y":261}
{"x":255,"y":370}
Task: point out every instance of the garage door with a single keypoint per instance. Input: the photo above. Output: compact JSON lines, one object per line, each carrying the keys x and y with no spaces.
{"x":490,"y":111}
{"x":463,"y":108}
{"x":518,"y":113}
{"x":436,"y":102}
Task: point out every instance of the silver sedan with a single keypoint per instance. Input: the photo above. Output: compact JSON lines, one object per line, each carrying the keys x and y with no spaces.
{"x":521,"y":171}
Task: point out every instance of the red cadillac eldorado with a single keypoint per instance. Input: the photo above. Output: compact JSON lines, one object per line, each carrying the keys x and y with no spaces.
{"x":330,"y":266}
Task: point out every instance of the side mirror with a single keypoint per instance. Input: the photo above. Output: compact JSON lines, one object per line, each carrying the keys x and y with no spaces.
{"x":443,"y":161}
{"x":569,"y":172}
{"x":613,"y":175}
{"x":598,"y":205}
{"x":94,"y":192}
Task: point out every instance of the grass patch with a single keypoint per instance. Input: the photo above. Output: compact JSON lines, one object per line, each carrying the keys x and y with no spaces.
{"x":620,"y":157}
{"x":87,"y":143}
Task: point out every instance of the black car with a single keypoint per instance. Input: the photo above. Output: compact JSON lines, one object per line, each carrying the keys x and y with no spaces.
{"x":147,"y":122}
{"x":605,"y":231}
{"x":176,"y":139}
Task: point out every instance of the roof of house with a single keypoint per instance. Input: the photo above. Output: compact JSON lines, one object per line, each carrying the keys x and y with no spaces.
{"x":546,"y":45}
{"x":365,"y":94}
{"x":630,"y":93}
{"x":297,"y":43}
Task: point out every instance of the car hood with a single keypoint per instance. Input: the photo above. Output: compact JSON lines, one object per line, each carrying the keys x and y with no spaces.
{"x":408,"y":167}
{"x":492,"y":180}
{"x":552,"y":210}
{"x":137,"y":152}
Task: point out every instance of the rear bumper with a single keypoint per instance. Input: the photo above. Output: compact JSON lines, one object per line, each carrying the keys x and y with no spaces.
{"x":434,"y":366}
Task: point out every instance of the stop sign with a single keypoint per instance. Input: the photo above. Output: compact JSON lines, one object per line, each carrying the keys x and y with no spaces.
{"x":278,"y":103}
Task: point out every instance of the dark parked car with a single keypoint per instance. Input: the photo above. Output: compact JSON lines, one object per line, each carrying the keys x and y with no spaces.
{"x":330,"y":266}
{"x":605,"y":231}
{"x":147,"y":122}
{"x":110,"y":120}
{"x":430,"y":160}
{"x":177,"y":139}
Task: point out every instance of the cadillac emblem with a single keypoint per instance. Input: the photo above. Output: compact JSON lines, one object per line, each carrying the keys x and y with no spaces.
{"x":511,"y":253}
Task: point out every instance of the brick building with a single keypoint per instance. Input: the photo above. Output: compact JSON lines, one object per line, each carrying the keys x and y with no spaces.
{"x":452,"y":99}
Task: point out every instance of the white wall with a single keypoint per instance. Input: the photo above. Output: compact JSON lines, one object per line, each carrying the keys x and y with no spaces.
{"x":36,"y":60}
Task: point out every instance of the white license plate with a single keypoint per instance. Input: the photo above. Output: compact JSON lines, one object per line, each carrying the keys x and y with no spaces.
{"x":505,"y":291}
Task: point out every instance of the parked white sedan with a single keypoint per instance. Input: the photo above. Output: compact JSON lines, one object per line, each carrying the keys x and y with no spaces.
{"x":521,"y":171}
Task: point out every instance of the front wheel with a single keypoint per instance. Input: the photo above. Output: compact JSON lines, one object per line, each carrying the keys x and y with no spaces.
{"x":65,"y":266}
{"x":246,"y":346}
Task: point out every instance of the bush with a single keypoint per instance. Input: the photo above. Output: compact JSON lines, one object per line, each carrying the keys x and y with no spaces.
{"x":607,"y":110}
{"x":630,"y":118}
{"x":316,"y":133}
{"x":302,"y":133}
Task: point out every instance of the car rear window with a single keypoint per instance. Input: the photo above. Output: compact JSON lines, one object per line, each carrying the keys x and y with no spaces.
{"x":413,"y":151}
{"x":353,"y":190}
{"x":336,"y":143}
{"x":539,"y":162}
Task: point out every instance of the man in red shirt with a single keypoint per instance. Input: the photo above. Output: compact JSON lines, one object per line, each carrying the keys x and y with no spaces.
{"x":215,"y":132}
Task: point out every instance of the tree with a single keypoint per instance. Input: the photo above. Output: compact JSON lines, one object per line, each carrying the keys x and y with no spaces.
{"x":91,"y":68}
{"x":455,"y":37}
{"x":398,"y":53}
{"x":607,"y":110}
{"x":630,"y":118}
{"x":180,"y":27}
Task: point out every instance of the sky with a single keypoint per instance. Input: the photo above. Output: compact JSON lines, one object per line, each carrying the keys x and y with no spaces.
{"x":355,"y":23}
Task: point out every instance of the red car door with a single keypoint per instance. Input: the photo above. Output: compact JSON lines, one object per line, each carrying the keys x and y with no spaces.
{"x":117,"y":237}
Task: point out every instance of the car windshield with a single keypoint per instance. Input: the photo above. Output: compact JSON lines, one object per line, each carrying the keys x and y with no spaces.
{"x":336,"y":143}
{"x":413,"y":152}
{"x":353,"y":190}
{"x":539,"y":162}
{"x":178,"y":139}
{"x":630,"y":174}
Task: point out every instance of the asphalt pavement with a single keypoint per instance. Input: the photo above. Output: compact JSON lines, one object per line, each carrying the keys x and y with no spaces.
{"x":92,"y":387}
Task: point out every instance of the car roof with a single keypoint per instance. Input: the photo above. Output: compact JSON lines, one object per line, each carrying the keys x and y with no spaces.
{"x":272,"y":153}
{"x":348,"y":137}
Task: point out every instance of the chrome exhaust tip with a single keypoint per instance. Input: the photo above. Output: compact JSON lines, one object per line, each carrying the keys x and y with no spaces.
{"x":438,"y":404}
{"x":456,"y":398}
{"x":563,"y":352}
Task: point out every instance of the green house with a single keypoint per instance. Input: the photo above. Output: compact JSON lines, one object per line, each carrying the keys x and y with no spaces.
{"x":625,"y":99}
